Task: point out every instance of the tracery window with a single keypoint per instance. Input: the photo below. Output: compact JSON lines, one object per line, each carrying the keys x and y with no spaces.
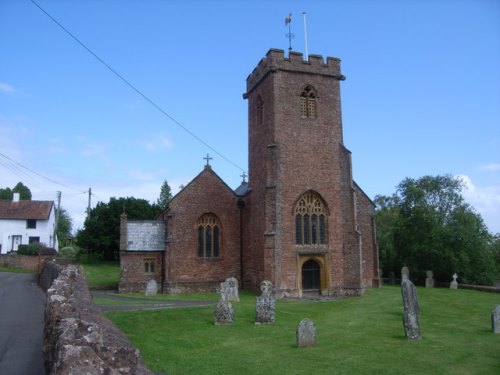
{"x":310,"y":220}
{"x":208,"y":228}
{"x":308,"y":98}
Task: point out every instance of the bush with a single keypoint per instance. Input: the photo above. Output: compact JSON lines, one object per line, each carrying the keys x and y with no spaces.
{"x":68,"y":252}
{"x":31,"y":249}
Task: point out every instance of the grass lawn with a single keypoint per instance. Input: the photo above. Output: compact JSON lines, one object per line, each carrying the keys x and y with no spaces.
{"x":103,"y":275}
{"x":362,"y":335}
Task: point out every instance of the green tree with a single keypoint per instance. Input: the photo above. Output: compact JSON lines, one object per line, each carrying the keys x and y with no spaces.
{"x":100,"y":235}
{"x":8,"y":193}
{"x":427,"y":225}
{"x":165,"y":196}
{"x":24,"y":191}
{"x":64,"y":227}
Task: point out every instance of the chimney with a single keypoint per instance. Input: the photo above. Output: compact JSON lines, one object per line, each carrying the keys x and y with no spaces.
{"x":16,"y":197}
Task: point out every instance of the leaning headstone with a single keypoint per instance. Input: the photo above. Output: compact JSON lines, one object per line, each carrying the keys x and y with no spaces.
{"x":265,"y":305}
{"x":411,"y":309}
{"x":495,"y":319}
{"x":230,"y":287}
{"x":151,"y":288}
{"x":454,"y":283}
{"x":223,"y":310}
{"x":429,"y":280}
{"x":306,"y":333}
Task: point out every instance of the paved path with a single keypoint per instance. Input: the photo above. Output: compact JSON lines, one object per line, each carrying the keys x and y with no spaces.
{"x":147,"y":305}
{"x":22,"y":305}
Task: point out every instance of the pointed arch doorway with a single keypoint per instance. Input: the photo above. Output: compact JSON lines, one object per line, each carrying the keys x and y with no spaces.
{"x":311,"y":276}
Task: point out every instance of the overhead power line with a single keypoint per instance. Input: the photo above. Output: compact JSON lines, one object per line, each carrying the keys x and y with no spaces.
{"x":139,"y":92}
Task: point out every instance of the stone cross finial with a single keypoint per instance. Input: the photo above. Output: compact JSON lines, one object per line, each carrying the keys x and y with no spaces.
{"x":244,"y":176}
{"x":208,"y":158}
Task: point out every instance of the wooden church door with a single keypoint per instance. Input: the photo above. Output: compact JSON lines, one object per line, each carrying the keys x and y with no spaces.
{"x":311,"y":275}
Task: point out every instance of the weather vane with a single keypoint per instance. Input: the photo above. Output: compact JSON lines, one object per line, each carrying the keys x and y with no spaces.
{"x":288,"y":21}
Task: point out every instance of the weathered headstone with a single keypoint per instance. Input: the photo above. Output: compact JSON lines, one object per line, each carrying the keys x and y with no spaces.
{"x":411,"y":309}
{"x":454,"y":283}
{"x":151,"y":288}
{"x":306,"y":333}
{"x":230,"y":287}
{"x":223,"y":310}
{"x":429,"y":280}
{"x":265,"y":306}
{"x":495,"y":319}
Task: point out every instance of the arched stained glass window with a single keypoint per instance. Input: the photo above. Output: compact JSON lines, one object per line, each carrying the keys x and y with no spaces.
{"x":308,"y":98}
{"x":208,"y":230}
{"x":310,"y":220}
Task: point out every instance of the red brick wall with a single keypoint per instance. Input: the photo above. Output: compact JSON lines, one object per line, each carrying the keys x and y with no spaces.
{"x":133,"y":276}
{"x":185,"y":271}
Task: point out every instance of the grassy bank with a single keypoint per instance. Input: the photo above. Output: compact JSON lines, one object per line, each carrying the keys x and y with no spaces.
{"x":361,"y":335}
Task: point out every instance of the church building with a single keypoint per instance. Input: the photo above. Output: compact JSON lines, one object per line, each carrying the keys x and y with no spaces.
{"x":300,"y":221}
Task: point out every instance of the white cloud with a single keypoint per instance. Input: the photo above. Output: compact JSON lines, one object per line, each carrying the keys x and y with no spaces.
{"x":5,"y":87}
{"x":157,"y":142}
{"x":485,"y":200}
{"x":490,"y":167}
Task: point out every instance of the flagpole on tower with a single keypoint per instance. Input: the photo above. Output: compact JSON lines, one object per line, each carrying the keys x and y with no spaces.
{"x":305,"y":35}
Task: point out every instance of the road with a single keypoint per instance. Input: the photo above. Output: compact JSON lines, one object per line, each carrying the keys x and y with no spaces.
{"x":22,"y":305}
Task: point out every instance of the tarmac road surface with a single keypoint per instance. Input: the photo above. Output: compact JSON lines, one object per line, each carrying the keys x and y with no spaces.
{"x":22,"y":305}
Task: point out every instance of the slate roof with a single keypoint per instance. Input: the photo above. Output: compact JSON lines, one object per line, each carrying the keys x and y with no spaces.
{"x":242,"y":190}
{"x":24,"y":210}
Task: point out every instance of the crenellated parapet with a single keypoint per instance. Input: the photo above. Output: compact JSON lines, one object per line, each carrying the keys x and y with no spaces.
{"x":275,"y":60}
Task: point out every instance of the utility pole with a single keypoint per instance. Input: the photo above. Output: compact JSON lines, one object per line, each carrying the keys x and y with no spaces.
{"x":88,"y":207}
{"x":58,"y":212}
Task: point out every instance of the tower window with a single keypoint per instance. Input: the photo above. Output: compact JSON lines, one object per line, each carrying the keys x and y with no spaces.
{"x":208,"y":230}
{"x":308,"y":99}
{"x":310,"y":220}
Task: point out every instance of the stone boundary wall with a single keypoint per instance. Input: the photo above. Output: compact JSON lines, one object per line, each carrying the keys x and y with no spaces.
{"x":78,"y":339}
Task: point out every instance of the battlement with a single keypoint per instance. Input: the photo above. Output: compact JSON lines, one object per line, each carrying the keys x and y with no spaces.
{"x":275,"y":60}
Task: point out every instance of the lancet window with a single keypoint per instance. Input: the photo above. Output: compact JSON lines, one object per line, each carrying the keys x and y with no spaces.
{"x":308,"y":99}
{"x":310,"y":220}
{"x":208,"y":229}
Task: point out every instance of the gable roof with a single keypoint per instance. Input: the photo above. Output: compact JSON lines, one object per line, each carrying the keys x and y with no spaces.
{"x":24,"y":210}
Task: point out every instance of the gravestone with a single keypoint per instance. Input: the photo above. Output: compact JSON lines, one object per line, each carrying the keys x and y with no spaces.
{"x":454,"y":283}
{"x":151,"y":288}
{"x":411,"y":309}
{"x":230,"y":288}
{"x":429,"y":280}
{"x":306,"y":333}
{"x":265,"y":305}
{"x":495,"y":319}
{"x":223,"y":310}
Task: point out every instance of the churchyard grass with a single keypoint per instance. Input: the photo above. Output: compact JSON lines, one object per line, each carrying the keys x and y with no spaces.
{"x":360,"y":335}
{"x":102,"y":275}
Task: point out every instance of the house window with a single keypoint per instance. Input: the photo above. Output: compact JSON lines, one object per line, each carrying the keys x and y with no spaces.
{"x":308,"y":98}
{"x":34,"y":240}
{"x":208,"y":232}
{"x":310,"y":220}
{"x":31,"y":224}
{"x":149,"y":265}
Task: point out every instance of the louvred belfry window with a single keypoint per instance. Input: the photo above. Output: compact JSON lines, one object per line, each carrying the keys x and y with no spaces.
{"x":308,"y":98}
{"x":310,"y":220}
{"x":208,"y":231}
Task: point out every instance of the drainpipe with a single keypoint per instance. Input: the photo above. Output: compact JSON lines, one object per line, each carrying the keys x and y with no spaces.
{"x":241,"y":205}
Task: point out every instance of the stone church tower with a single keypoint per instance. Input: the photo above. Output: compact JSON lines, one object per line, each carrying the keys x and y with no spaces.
{"x":308,"y":226}
{"x":300,"y":222}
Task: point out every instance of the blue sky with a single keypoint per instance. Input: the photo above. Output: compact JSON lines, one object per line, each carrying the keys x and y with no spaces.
{"x":422,"y":94}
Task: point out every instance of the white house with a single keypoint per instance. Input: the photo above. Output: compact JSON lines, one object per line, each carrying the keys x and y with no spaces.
{"x":25,"y":222}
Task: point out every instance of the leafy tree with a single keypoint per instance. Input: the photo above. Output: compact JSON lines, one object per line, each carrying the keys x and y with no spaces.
{"x":100,"y":235}
{"x":64,"y":227}
{"x":427,"y":225}
{"x":24,"y":191}
{"x":8,"y":193}
{"x":165,"y":196}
